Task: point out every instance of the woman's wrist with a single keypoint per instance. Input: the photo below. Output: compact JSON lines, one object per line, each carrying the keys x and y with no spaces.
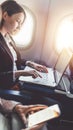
{"x":27,"y":63}
{"x":16,"y":108}
{"x":30,"y":63}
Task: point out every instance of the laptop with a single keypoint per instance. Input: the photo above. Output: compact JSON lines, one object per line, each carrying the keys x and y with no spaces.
{"x":54,"y":75}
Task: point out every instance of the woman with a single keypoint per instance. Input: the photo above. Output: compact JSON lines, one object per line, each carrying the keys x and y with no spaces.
{"x":13,"y":16}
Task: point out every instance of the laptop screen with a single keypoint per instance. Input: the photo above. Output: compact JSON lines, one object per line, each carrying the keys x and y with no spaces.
{"x":61,"y":64}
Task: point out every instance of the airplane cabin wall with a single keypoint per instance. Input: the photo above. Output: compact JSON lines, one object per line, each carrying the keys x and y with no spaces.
{"x":48,"y":13}
{"x":40,"y":10}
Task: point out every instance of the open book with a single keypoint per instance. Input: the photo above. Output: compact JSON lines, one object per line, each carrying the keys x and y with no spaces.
{"x":43,"y":115}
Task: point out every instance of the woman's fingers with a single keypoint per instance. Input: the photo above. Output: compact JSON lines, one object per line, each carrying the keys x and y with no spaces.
{"x":41,"y":68}
{"x":23,"y":111}
{"x":33,"y":108}
{"x":35,"y":74}
{"x":45,"y":69}
{"x":35,"y":127}
{"x":23,"y":117}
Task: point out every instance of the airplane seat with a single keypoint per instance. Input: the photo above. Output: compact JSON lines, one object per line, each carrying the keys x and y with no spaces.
{"x":20,"y":96}
{"x":58,"y":124}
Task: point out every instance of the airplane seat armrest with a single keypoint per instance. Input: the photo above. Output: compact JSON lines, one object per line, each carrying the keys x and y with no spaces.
{"x":9,"y":94}
{"x":15,"y":95}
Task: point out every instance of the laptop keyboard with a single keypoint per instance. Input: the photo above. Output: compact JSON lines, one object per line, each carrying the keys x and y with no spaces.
{"x":47,"y":78}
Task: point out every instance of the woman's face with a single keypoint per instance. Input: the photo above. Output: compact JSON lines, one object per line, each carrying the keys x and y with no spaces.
{"x":13,"y":23}
{"x":0,"y":14}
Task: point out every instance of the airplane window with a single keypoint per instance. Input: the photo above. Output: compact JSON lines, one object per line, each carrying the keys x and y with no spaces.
{"x":64,"y":34}
{"x":24,"y":37}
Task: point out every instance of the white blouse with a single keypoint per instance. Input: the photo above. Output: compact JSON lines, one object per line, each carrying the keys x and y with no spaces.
{"x":13,"y":52}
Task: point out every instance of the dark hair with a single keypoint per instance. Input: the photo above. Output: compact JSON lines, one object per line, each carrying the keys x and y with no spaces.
{"x":11,"y":7}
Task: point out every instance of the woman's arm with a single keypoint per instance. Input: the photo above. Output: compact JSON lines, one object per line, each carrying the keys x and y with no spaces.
{"x":7,"y":105}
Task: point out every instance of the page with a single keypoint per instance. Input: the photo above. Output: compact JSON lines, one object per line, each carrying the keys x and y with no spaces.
{"x":44,"y":115}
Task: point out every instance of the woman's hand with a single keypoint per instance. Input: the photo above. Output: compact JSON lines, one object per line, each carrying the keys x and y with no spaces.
{"x":38,"y":67}
{"x":23,"y":110}
{"x":32,"y":73}
{"x":36,"y":127}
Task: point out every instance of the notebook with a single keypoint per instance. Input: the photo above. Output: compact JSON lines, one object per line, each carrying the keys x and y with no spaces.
{"x":54,"y":75}
{"x":42,"y":116}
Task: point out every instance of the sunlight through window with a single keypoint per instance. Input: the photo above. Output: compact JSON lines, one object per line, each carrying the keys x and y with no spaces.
{"x":64,"y":36}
